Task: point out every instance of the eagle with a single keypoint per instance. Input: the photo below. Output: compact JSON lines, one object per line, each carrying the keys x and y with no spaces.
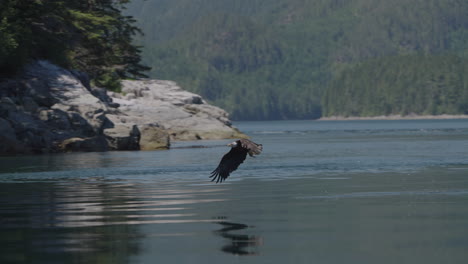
{"x":234,"y":158}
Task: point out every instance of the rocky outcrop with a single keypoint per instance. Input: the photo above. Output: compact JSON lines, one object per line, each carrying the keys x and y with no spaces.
{"x":50,"y":109}
{"x":185,"y":115}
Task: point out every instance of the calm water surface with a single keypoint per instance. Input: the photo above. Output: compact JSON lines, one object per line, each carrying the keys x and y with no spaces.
{"x":322,"y":192}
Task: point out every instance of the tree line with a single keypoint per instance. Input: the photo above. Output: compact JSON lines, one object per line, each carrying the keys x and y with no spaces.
{"x":298,"y":59}
{"x":407,"y":84}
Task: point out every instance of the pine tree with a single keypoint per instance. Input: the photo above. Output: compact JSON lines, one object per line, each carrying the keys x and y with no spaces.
{"x":92,"y":36}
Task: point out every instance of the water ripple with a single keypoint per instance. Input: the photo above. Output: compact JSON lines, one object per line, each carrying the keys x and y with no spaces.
{"x":45,"y":205}
{"x":384,"y":194}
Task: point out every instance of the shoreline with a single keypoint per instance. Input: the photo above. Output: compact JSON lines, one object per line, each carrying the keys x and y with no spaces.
{"x":392,"y":117}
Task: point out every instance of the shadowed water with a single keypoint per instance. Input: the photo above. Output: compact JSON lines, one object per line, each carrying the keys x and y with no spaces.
{"x":321,"y":192}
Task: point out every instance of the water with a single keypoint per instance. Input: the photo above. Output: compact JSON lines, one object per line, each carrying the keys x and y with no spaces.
{"x":322,"y":192}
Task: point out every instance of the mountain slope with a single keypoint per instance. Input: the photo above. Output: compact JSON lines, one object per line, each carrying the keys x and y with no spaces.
{"x":293,"y":58}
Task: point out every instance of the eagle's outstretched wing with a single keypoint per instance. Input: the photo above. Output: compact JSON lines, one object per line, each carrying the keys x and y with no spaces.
{"x":229,"y":163}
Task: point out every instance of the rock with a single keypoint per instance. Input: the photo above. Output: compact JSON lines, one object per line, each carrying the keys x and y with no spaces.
{"x":123,"y":137}
{"x":80,"y":124}
{"x":67,"y":92}
{"x":185,"y":115}
{"x":9,"y":144}
{"x":29,"y":105}
{"x":98,"y":143}
{"x":154,"y":137}
{"x":99,"y":122}
{"x":101,"y":93}
{"x":23,"y":122}
{"x":7,"y":104}
{"x":55,"y":118}
{"x":159,"y":90}
{"x":10,"y":87}
{"x":6,"y":130}
{"x":51,"y":109}
{"x":38,"y":89}
{"x":48,"y":106}
{"x":84,"y":79}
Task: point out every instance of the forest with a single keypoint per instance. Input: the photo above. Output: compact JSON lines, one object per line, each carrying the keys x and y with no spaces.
{"x":91,"y":36}
{"x":408,"y":84}
{"x":304,"y":59}
{"x":258,"y":59}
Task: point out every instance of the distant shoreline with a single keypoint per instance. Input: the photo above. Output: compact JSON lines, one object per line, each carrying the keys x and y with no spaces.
{"x":392,"y":117}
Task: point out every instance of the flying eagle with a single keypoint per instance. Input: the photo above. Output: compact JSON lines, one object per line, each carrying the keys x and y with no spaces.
{"x":235,"y":157}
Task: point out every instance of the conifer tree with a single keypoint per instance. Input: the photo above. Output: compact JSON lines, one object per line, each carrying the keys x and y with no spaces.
{"x":92,"y":36}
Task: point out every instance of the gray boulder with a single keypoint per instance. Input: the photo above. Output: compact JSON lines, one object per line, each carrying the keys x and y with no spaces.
{"x":154,"y":137}
{"x":123,"y":137}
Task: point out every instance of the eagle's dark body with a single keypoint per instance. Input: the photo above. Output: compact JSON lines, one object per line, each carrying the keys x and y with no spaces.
{"x":231,"y":160}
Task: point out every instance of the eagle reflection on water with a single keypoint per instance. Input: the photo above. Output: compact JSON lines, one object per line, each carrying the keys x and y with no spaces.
{"x":237,"y":244}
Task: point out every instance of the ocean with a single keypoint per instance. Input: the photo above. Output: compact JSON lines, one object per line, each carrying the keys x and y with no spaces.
{"x":393,"y":191}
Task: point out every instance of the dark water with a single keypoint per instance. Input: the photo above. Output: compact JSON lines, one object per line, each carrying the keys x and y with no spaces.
{"x":322,"y":192}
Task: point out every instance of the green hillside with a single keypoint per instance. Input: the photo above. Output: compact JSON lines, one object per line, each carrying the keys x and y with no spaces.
{"x":407,"y":84}
{"x":284,"y":59}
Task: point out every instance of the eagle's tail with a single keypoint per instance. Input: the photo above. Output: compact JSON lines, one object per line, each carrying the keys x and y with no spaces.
{"x":256,"y":151}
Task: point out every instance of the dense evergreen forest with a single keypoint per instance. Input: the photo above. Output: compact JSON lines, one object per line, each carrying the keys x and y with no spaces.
{"x":92,"y":36}
{"x":264,"y":59}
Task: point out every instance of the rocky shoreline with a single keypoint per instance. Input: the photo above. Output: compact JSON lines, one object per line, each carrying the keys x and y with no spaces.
{"x":392,"y":117}
{"x":49,"y":109}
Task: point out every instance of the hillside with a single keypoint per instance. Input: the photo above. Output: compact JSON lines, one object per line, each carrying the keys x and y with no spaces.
{"x":403,"y":85}
{"x":297,"y":59}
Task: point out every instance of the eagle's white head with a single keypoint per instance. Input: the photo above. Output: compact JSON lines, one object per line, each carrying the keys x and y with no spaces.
{"x":233,"y":144}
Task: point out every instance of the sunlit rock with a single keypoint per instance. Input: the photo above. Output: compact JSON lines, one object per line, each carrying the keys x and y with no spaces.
{"x":185,"y":115}
{"x":154,"y":137}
